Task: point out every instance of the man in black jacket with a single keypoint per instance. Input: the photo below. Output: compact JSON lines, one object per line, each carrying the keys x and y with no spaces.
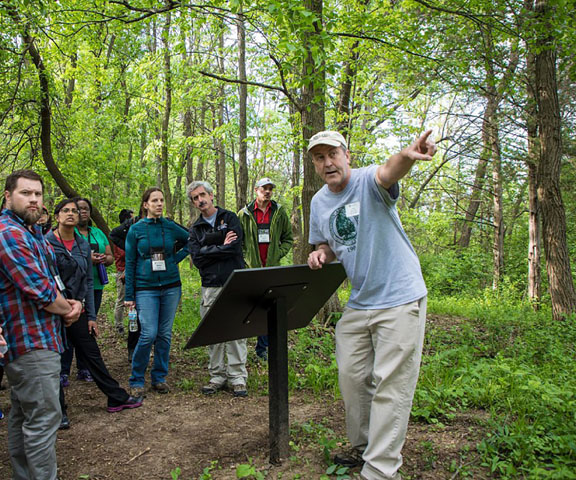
{"x":215,"y":245}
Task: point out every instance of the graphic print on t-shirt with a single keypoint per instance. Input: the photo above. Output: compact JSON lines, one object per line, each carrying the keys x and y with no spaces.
{"x":342,"y":227}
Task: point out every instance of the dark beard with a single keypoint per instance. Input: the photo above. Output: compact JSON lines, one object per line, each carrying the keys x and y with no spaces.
{"x":29,"y":217}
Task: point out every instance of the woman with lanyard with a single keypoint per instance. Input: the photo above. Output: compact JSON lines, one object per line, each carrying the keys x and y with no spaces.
{"x":73,"y":260}
{"x":154,"y":247}
{"x":101,"y":258}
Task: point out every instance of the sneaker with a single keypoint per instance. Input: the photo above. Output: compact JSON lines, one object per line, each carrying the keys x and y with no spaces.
{"x":1,"y":414}
{"x":137,"y":392}
{"x":84,"y":375}
{"x":64,"y":381}
{"x":239,"y":390}
{"x":262,"y":356}
{"x":64,"y":423}
{"x":350,"y":458}
{"x":212,"y":388}
{"x":160,"y":388}
{"x":132,"y":402}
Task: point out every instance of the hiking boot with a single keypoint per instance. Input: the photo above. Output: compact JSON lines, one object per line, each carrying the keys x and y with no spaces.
{"x":211,"y":388}
{"x":239,"y":390}
{"x":350,"y":458}
{"x":64,"y":423}
{"x":137,"y":392}
{"x":84,"y":375}
{"x":132,"y":402}
{"x":160,"y":388}
{"x":64,"y":381}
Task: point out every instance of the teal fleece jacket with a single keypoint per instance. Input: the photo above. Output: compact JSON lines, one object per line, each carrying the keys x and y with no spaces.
{"x":153,"y":233}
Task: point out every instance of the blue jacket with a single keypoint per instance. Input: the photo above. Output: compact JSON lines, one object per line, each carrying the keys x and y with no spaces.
{"x":153,"y":233}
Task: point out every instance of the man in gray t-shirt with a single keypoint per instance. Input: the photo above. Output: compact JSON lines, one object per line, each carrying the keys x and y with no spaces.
{"x":379,"y":338}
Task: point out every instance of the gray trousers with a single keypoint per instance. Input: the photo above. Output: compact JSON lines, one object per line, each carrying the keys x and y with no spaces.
{"x":119,"y":306}
{"x":35,"y":414}
{"x":234,"y":370}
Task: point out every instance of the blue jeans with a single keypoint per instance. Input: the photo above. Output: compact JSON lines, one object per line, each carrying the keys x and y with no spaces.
{"x":156,"y":311}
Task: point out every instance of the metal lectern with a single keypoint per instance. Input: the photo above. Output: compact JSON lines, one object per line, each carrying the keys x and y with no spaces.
{"x":269,"y":301}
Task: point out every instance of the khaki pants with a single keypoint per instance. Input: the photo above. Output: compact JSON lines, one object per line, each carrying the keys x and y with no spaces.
{"x":378,"y":354}
{"x":221,"y":371}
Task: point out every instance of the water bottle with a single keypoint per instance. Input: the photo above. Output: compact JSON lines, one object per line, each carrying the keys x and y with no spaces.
{"x":132,"y":320}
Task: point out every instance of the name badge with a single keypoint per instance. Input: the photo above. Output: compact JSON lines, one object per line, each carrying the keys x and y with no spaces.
{"x":263,"y":235}
{"x":59,"y":283}
{"x":352,"y":209}
{"x":158,"y":261}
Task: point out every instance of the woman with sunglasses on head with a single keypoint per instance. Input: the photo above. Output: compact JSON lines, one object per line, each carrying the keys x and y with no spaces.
{"x":154,"y":247}
{"x":74,"y":262}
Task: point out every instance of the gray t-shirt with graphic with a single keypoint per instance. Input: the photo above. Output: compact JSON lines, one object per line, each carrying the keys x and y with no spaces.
{"x":362,"y":227}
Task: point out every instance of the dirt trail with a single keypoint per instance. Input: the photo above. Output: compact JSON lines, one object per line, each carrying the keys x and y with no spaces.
{"x":194,"y":433}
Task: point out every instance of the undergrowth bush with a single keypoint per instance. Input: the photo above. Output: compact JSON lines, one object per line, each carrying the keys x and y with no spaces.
{"x":500,"y":356}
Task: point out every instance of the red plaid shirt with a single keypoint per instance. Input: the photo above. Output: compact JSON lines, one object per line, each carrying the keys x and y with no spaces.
{"x":26,"y":287}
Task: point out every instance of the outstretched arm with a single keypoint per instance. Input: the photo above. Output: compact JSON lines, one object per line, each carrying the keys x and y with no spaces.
{"x":400,"y":164}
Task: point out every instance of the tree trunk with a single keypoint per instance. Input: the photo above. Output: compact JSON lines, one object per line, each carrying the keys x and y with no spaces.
{"x":498,"y":244}
{"x":46,"y":131}
{"x":534,"y":221}
{"x":296,"y":218}
{"x":562,"y":293}
{"x":312,"y":114}
{"x":166,"y":118}
{"x":242,"y":196}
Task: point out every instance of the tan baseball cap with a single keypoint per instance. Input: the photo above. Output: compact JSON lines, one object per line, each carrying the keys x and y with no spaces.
{"x":327,"y":137}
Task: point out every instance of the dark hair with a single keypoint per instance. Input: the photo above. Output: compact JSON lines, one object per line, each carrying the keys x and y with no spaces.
{"x":12,"y":179}
{"x":82,"y":199}
{"x":125,"y":214}
{"x":60,"y":205}
{"x":145,"y":197}
{"x":48,"y":225}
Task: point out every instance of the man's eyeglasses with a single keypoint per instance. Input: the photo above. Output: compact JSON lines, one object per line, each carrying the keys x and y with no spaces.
{"x":70,"y":210}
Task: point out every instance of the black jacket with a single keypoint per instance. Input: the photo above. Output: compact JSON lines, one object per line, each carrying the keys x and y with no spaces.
{"x":214,"y":260}
{"x":119,"y":233}
{"x":75,"y":269}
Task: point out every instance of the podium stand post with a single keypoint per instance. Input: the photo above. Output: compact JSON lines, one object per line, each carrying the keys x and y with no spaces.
{"x":278,"y":380}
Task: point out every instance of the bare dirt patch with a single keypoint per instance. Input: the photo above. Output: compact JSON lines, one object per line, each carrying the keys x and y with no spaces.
{"x":212,"y":435}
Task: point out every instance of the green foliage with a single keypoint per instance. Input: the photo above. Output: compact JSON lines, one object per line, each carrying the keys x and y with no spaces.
{"x":498,"y":355}
{"x":248,"y":470}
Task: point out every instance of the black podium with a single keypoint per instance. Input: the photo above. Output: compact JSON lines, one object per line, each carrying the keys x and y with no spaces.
{"x":270,"y":301}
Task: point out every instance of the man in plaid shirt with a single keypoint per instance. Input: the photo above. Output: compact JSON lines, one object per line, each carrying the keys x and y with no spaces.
{"x":32,"y":310}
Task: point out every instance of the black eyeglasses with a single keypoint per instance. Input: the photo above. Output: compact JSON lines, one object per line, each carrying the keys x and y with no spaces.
{"x":70,"y":210}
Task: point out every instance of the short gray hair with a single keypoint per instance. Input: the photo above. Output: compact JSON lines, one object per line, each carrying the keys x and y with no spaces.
{"x":197,"y":184}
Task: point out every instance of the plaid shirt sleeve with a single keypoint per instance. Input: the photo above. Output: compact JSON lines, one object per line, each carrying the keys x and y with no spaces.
{"x":26,"y":287}
{"x":22,"y":261}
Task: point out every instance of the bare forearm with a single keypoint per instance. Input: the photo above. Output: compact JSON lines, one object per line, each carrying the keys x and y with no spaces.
{"x":60,"y":306}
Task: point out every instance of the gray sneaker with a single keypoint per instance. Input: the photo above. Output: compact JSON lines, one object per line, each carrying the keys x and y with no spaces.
{"x":239,"y":390}
{"x":211,"y":388}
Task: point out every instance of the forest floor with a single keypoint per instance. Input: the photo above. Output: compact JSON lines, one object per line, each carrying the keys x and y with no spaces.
{"x":208,"y":437}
